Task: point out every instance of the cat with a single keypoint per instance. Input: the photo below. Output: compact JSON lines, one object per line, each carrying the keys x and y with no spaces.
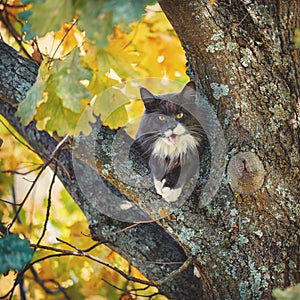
{"x":171,"y":139}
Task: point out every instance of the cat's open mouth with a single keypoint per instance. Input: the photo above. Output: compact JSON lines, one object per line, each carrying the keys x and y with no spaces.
{"x":172,"y":138}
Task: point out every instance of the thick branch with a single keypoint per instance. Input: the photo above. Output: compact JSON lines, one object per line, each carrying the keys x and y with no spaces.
{"x":141,"y":244}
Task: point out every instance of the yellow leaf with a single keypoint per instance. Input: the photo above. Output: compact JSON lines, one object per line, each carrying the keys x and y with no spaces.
{"x":119,"y":56}
{"x":111,"y":106}
{"x":70,"y":36}
{"x":134,"y":111}
{"x":158,"y":47}
{"x":59,"y":44}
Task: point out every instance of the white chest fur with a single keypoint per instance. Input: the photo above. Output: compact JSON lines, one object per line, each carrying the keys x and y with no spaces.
{"x":174,"y":143}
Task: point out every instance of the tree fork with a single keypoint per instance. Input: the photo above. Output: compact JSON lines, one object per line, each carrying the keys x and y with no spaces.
{"x":242,"y":57}
{"x":138,"y":244}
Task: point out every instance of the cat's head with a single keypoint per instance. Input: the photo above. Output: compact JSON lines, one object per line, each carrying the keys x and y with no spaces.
{"x":168,"y":128}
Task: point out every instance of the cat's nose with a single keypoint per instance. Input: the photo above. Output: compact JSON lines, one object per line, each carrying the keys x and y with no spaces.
{"x":168,"y":133}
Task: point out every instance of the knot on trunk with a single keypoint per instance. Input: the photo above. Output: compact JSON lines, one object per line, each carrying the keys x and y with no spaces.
{"x":246,"y":173}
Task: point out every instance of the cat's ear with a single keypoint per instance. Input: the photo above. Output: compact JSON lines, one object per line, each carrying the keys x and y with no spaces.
{"x":189,"y":92}
{"x":148,"y":98}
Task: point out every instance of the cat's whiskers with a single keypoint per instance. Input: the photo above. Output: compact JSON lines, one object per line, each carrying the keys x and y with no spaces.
{"x":147,"y":141}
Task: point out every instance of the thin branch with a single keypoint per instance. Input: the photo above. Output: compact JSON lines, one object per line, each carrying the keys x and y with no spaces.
{"x":68,"y":244}
{"x":75,"y":21}
{"x":13,"y":172}
{"x":42,"y":283}
{"x":48,"y":205}
{"x":183,"y":267}
{"x":15,"y":5}
{"x":17,"y":138}
{"x":13,"y":32}
{"x":15,"y":204}
{"x":62,"y":252}
{"x":9,"y":202}
{"x":132,"y":291}
{"x":45,"y":165}
{"x":22,"y":289}
{"x":95,"y":245}
{"x":130,"y":226}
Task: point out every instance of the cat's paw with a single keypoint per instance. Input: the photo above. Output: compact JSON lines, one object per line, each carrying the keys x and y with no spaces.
{"x":159,"y":186}
{"x":171,"y":195}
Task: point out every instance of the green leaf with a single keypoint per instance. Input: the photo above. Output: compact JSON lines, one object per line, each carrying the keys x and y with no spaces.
{"x":53,"y":116}
{"x":49,"y":15}
{"x":117,"y":119}
{"x":125,"y":11}
{"x":25,"y":15}
{"x":111,"y":106}
{"x":98,"y":17}
{"x":94,"y":22}
{"x":57,"y":98}
{"x":84,"y":122}
{"x":69,"y":76}
{"x":27,"y":108}
{"x":26,"y":1}
{"x":15,"y":253}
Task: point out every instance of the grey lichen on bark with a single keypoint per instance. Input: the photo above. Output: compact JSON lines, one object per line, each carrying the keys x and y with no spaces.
{"x":242,"y":56}
{"x":141,"y":244}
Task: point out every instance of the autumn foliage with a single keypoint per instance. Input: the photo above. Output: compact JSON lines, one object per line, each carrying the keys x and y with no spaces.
{"x":83,"y":49}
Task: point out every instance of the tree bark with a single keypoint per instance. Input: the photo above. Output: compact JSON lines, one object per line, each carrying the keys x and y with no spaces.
{"x":245,"y":241}
{"x":141,"y":245}
{"x":242,"y":55}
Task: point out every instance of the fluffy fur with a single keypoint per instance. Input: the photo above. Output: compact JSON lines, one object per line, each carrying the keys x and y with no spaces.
{"x":170,"y":138}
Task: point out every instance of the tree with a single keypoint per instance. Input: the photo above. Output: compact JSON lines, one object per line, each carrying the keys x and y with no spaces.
{"x":244,"y":241}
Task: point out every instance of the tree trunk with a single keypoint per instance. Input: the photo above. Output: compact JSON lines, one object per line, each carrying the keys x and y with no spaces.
{"x":245,"y":241}
{"x":242,"y":55}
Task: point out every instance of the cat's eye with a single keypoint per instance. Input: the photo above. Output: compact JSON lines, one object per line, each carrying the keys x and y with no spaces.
{"x":179,"y":115}
{"x":161,"y":117}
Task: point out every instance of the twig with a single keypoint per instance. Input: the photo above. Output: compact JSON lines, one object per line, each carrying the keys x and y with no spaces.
{"x":15,"y":136}
{"x":48,"y":206}
{"x":95,"y":245}
{"x":75,"y":21}
{"x":28,"y":193}
{"x":13,"y":5}
{"x":68,"y":244}
{"x":13,"y":172}
{"x":176,"y":272}
{"x":15,"y":204}
{"x":62,"y":252}
{"x":130,"y":226}
{"x":45,"y":165}
{"x":13,"y":32}
{"x":22,"y":289}
{"x":41,"y":282}
{"x":132,"y":291}
{"x":9,"y":202}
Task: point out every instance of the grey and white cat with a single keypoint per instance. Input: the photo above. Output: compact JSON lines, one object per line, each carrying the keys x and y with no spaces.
{"x":171,"y":139}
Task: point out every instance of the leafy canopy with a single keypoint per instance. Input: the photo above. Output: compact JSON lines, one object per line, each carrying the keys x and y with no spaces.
{"x":88,"y":52}
{"x":88,"y":47}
